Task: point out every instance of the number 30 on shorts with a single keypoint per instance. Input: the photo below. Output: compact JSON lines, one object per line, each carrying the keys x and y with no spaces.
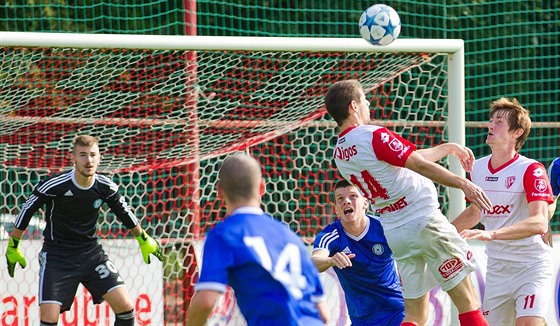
{"x":106,"y":269}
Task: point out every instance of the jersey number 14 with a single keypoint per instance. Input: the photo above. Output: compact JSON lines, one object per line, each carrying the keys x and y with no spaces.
{"x":286,"y":270}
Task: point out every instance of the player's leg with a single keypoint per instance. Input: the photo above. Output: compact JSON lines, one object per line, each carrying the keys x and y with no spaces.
{"x":451,"y":261}
{"x":103,"y":281}
{"x":121,"y":303}
{"x":416,"y":310}
{"x":49,"y":313}
{"x":416,"y":278}
{"x":59,"y":277}
{"x":499,"y":302}
{"x":532,"y":299}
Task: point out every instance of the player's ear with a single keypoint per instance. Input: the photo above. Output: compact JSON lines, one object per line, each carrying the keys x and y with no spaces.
{"x":262,"y":187}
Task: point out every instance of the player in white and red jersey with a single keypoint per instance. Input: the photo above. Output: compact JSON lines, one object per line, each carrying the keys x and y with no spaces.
{"x":519,"y":274}
{"x":397,"y":179}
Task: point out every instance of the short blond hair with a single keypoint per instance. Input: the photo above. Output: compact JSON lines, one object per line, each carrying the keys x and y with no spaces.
{"x":84,"y":141}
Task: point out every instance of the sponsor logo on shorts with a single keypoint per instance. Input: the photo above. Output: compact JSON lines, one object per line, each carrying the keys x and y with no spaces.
{"x":450,"y":267}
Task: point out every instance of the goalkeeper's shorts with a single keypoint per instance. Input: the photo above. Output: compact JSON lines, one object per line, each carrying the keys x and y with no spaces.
{"x":62,"y":271}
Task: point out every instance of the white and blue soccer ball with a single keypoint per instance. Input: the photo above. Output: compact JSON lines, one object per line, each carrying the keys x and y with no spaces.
{"x":380,"y":25}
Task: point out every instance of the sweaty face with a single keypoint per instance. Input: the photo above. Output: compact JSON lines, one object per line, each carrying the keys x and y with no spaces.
{"x":350,"y":205}
{"x":86,"y":159}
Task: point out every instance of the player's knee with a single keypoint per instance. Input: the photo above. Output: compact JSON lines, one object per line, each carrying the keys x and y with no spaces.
{"x":125,"y":318}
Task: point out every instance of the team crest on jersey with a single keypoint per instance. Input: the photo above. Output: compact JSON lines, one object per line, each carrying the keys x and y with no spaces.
{"x":510,"y":181}
{"x":540,"y":185}
{"x":377,"y":249}
{"x":97,"y":203}
{"x":396,"y":145}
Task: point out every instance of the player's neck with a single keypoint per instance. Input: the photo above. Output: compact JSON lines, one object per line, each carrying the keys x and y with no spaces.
{"x":230,"y":208}
{"x":82,"y":180}
{"x":355,"y":228}
{"x":501,"y":156}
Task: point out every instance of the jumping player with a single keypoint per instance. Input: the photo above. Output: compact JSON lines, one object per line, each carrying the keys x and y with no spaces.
{"x":397,"y":179}
{"x":71,"y":253}
{"x":519,"y":272}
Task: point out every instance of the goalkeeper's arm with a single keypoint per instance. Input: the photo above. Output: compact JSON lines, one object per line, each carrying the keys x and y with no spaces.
{"x":147,"y":244}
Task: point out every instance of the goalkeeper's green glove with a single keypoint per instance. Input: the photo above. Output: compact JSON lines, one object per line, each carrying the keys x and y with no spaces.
{"x":149,"y":246}
{"x":14,"y":255}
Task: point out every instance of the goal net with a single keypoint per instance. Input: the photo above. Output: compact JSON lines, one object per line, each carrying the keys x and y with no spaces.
{"x":169,"y":109}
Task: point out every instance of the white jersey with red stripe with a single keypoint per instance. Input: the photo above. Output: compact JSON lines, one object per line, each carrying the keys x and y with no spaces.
{"x":373,"y":158}
{"x":510,"y":188}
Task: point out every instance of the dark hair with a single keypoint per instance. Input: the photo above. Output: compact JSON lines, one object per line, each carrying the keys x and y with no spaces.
{"x":339,"y":96}
{"x":342,"y":183}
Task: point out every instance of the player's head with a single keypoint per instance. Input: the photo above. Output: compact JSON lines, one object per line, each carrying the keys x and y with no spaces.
{"x":345,"y":98}
{"x":240,"y":181}
{"x":85,"y":155}
{"x":349,"y":204}
{"x":516,"y":117}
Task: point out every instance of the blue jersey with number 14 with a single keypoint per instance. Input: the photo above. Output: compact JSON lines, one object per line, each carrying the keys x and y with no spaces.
{"x":268,"y":267}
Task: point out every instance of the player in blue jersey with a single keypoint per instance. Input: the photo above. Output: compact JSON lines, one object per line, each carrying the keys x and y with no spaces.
{"x":356,"y":248}
{"x":554,"y":176}
{"x":71,"y":253}
{"x":266,"y":264}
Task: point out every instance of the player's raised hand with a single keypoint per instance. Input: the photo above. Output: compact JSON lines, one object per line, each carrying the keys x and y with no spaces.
{"x":342,"y":260}
{"x":14,"y":255}
{"x":149,"y":246}
{"x":465,"y":155}
{"x":477,"y":196}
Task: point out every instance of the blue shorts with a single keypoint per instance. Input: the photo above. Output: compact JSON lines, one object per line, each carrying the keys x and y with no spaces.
{"x":62,"y":270}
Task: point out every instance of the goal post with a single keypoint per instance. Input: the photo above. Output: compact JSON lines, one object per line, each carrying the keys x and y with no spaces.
{"x":168,"y":109}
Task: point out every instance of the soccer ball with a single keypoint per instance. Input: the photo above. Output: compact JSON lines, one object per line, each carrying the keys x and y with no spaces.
{"x":380,"y":25}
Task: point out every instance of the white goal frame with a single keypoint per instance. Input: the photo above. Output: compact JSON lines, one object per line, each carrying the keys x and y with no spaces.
{"x":454,"y":48}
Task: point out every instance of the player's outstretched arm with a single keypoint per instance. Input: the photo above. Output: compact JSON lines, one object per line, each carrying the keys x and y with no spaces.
{"x":437,"y":173}
{"x":323,"y":262}
{"x":462,"y":153}
{"x":147,"y":244}
{"x":14,"y":255}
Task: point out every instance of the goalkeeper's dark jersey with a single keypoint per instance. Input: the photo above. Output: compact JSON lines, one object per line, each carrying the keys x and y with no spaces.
{"x":71,"y":211}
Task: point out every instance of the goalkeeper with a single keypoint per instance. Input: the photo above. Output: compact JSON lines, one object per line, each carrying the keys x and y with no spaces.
{"x":71,"y":253}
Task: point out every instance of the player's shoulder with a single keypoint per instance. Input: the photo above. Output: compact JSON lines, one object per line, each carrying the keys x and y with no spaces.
{"x":54,"y":181}
{"x":374,"y":220}
{"x":106,"y":182}
{"x":482,"y":161}
{"x":555,"y":165}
